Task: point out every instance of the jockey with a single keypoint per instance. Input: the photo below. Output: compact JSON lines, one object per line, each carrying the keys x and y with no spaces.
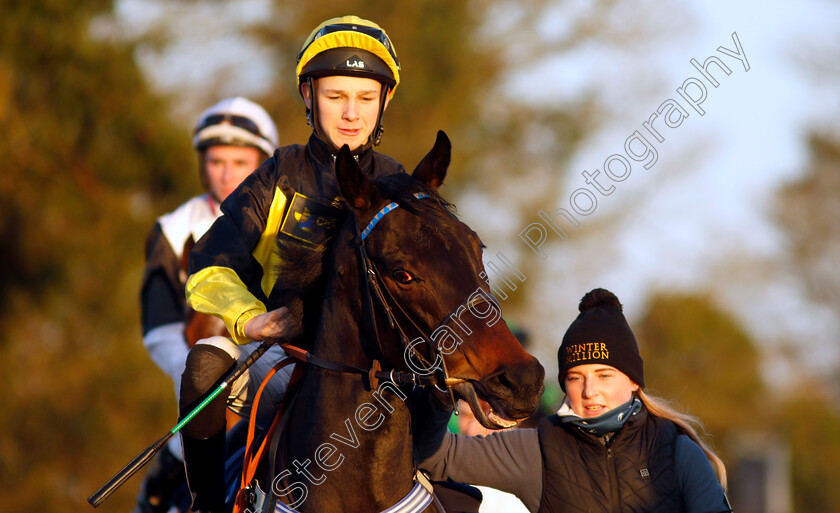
{"x":231,"y":138}
{"x":264,"y":253}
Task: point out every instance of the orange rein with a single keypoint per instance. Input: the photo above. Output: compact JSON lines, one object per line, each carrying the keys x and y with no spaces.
{"x":252,"y":461}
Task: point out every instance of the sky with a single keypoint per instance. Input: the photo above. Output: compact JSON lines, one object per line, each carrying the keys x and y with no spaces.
{"x":700,"y":216}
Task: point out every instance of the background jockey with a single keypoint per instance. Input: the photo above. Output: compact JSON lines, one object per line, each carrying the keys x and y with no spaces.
{"x":231,"y":138}
{"x":256,"y":261}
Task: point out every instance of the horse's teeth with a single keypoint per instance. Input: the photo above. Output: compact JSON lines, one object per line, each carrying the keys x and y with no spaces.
{"x":504,"y":423}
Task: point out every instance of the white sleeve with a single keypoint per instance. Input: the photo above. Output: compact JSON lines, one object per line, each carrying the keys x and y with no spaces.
{"x":168,"y":349}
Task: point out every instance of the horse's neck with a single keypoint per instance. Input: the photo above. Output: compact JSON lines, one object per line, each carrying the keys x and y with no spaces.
{"x":369,"y":428}
{"x":357,"y":440}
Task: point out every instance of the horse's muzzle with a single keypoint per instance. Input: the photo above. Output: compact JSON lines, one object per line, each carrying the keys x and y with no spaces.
{"x":506,"y":398}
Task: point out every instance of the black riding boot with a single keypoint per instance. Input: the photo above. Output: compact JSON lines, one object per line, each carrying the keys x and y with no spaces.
{"x":204,"y":437}
{"x":165,"y":475}
{"x":205,"y":462}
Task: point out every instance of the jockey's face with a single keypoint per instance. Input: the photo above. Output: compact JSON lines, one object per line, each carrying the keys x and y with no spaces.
{"x":348,"y":108}
{"x":227,"y":166}
{"x":594,"y":389}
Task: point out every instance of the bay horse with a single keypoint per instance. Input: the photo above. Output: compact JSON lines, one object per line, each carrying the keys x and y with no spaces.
{"x":405,"y":295}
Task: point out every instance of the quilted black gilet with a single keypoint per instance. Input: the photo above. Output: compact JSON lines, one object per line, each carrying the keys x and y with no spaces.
{"x":633,"y":473}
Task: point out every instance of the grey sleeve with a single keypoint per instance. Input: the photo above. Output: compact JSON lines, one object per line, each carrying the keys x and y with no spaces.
{"x":702,"y":492}
{"x":510,"y":461}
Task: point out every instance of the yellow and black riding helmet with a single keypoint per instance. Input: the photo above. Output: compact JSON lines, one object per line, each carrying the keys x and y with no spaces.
{"x":349,"y":46}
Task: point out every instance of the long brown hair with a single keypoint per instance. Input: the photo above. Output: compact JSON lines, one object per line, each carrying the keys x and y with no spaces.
{"x":689,"y":425}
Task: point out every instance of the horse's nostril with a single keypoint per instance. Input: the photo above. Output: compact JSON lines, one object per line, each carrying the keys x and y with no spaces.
{"x":505,"y":381}
{"x":517,"y":378}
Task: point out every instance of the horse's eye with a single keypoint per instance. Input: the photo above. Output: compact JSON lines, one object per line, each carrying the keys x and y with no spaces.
{"x":402,"y":276}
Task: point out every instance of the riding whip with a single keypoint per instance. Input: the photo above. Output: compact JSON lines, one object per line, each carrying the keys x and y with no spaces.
{"x":144,"y":457}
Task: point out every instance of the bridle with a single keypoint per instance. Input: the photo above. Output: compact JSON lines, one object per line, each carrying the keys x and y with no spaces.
{"x":377,"y":292}
{"x":375,"y":288}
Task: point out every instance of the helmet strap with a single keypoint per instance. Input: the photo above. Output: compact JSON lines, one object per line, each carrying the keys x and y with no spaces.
{"x":202,"y":169}
{"x":311,"y":115}
{"x":376,"y":136}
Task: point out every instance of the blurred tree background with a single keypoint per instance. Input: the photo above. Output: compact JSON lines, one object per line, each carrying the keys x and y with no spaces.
{"x":808,"y":209}
{"x":89,"y":158}
{"x":95,"y":149}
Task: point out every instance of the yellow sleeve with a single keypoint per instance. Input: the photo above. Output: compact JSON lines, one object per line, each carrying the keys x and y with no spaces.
{"x":219,"y":291}
{"x":264,"y":253}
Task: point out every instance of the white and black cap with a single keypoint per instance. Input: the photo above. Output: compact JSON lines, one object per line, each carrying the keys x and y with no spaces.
{"x":236,"y":122}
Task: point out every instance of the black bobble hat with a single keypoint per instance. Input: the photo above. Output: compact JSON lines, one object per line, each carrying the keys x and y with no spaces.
{"x":600,"y":334}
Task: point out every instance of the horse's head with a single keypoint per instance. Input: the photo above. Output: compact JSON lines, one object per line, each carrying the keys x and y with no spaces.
{"x":431,"y":272}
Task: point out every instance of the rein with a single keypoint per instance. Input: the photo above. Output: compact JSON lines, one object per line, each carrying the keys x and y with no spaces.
{"x":374,"y":374}
{"x":420,"y":496}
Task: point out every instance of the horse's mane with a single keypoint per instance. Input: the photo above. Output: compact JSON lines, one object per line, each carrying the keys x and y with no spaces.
{"x":401,"y":189}
{"x":434,"y":211}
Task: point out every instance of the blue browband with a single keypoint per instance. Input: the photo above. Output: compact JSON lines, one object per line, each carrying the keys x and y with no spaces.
{"x":387,"y":208}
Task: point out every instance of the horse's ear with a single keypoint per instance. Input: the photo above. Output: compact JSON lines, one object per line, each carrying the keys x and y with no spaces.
{"x":432,"y":169}
{"x":356,"y":189}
